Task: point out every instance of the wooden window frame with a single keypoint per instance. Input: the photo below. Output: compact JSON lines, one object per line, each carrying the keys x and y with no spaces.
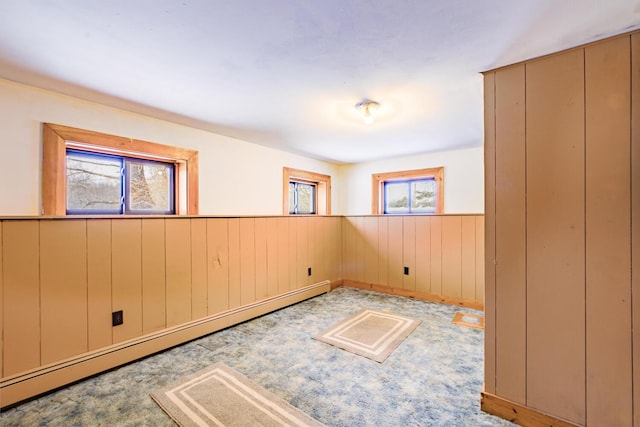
{"x":378,"y":180}
{"x":57,"y":138}
{"x":323,"y":189}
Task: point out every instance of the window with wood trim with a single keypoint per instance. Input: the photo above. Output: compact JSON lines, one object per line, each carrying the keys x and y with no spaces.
{"x":140,"y":177}
{"x":306,"y":193}
{"x":416,"y":191}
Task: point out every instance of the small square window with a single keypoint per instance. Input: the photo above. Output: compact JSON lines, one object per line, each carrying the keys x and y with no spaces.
{"x":302,"y":198}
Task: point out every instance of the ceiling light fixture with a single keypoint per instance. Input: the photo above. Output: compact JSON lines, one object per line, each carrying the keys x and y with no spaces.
{"x":367,"y":108}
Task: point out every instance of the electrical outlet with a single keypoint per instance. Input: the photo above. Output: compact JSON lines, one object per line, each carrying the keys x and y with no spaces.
{"x":309,"y":271}
{"x":117,"y":318}
{"x":406,"y":271}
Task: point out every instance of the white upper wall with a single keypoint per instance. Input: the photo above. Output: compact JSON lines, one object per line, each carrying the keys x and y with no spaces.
{"x":236,"y":177}
{"x":463,"y":180}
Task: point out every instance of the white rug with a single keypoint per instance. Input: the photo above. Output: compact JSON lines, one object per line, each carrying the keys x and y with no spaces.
{"x":220,"y":396}
{"x":369,"y":333}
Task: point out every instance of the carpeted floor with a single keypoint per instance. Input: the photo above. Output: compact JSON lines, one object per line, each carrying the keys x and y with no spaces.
{"x":433,"y":378}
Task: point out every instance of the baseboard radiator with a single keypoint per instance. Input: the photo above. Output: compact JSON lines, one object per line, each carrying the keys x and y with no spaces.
{"x":29,"y":384}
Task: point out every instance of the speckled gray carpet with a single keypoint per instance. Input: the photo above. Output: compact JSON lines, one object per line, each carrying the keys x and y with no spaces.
{"x":433,"y":378}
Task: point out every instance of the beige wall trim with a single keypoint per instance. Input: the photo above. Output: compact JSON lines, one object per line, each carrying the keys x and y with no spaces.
{"x":519,"y":414}
{"x":26,"y":385}
{"x":425,"y":296}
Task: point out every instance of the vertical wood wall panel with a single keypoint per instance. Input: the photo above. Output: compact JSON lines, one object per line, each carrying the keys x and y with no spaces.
{"x":154,"y":316}
{"x":511,"y":232}
{"x":247,"y":261}
{"x":234,"y":262}
{"x":322,"y":242}
{"x":302,"y":250}
{"x":178,"y":261}
{"x":452,"y":256}
{"x":63,"y":289}
{"x":99,"y":283}
{"x":261,"y":258}
{"x":635,"y":219}
{"x":284,"y":259}
{"x":199,"y":281}
{"x":395,"y":251}
{"x":556,"y":235}
{"x":468,"y":254}
{"x":21,"y":298}
{"x":1,"y":310}
{"x":293,"y":254}
{"x":409,"y":252}
{"x":272,"y":256}
{"x":608,"y":221}
{"x":311,"y":249}
{"x":423,"y":254}
{"x":218,"y":264}
{"x":490,"y":235}
{"x":360,"y":248}
{"x":480,"y":262}
{"x":371,"y":249}
{"x":350,"y":237}
{"x":436,"y":256}
{"x":383,"y":250}
{"x":126,"y":274}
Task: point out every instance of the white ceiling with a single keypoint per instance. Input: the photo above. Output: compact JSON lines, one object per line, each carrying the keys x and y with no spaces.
{"x":288,"y":73}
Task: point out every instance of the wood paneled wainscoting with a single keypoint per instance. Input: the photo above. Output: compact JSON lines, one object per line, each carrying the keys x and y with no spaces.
{"x":562,"y":176}
{"x":174,"y":279}
{"x":433,"y":257}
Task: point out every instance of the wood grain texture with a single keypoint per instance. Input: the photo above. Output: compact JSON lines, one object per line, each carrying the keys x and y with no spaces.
{"x":99,"y":283}
{"x":511,"y":233}
{"x":468,"y":257}
{"x":218,"y":264}
{"x":608,"y":221}
{"x":154,"y":313}
{"x":490,"y":232}
{"x":126,"y":275}
{"x":272,"y":256}
{"x":371,"y":249}
{"x":261,"y":288}
{"x":383,"y":250}
{"x":21,"y":297}
{"x":234,"y":263}
{"x":178,"y":259}
{"x":409,"y":252}
{"x":519,"y":414}
{"x":423,"y":254}
{"x":635,"y":219}
{"x":436,"y":256}
{"x":394,"y":253}
{"x":199,"y":280}
{"x":452,"y":256}
{"x":284,"y":259}
{"x":63,"y":289}
{"x":247,"y":261}
{"x":556,"y":235}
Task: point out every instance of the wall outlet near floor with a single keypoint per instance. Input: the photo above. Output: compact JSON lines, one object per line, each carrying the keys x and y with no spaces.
{"x":309,"y":271}
{"x":117,"y":318}
{"x":406,"y":271}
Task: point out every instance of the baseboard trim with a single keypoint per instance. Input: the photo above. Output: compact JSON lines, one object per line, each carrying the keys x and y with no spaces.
{"x":29,"y":384}
{"x":519,"y":414}
{"x":425,"y":296}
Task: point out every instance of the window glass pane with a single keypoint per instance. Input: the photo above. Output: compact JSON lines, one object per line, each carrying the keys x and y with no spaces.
{"x":149,"y":186}
{"x":396,"y":198}
{"x":423,"y":195}
{"x":93,"y":183}
{"x":306,"y":198}
{"x":292,"y":197}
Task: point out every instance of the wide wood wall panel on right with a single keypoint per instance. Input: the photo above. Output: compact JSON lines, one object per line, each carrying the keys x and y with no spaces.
{"x":562,"y":172}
